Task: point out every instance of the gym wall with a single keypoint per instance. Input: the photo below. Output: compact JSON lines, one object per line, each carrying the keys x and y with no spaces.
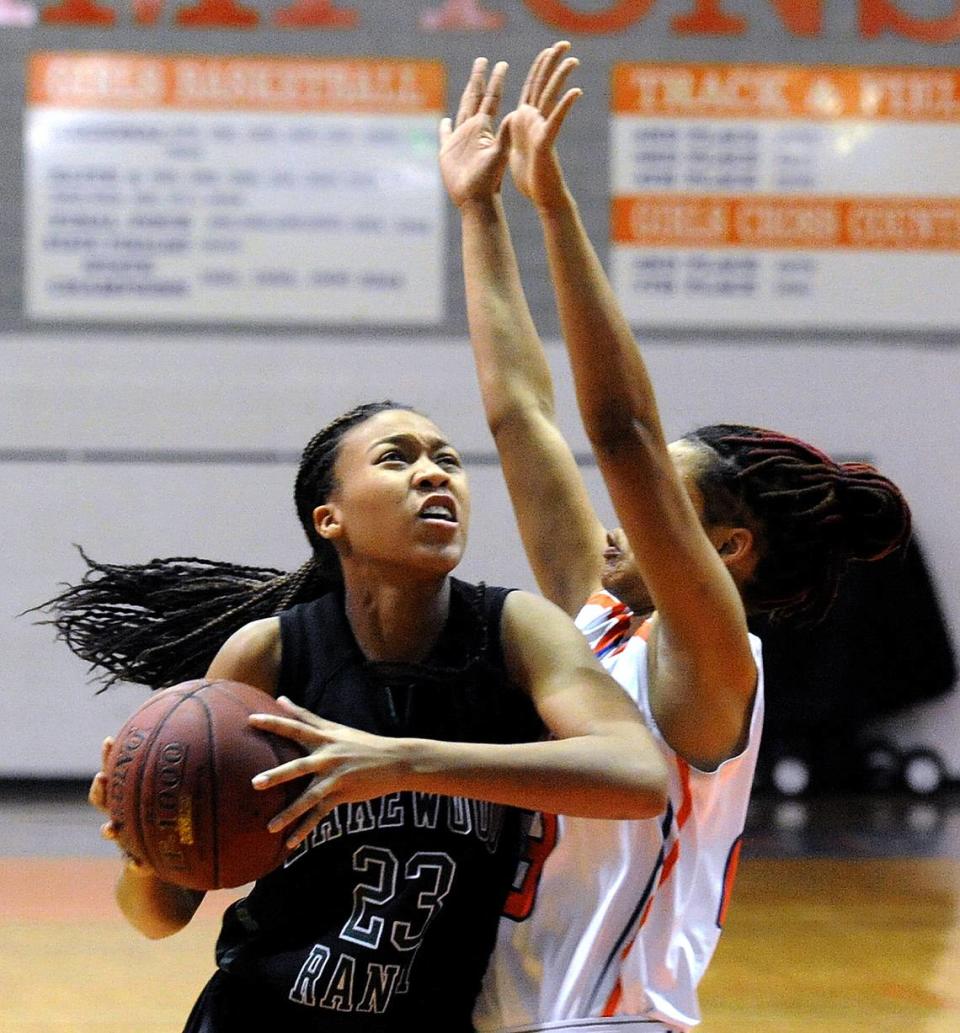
{"x":140,"y":437}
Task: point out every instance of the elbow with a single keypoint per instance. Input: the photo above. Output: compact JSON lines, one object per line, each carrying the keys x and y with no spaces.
{"x":516,"y":419}
{"x":611,"y":429}
{"x":154,"y":926}
{"x":155,"y":919}
{"x":154,"y":929}
{"x":159,"y":932}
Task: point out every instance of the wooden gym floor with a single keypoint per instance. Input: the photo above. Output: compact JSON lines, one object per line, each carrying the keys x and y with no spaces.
{"x":845,"y":918}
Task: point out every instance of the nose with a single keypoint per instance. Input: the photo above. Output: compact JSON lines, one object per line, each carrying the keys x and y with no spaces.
{"x":429,"y":474}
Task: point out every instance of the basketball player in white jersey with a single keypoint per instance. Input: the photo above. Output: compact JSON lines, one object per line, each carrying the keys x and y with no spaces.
{"x":612,"y":924}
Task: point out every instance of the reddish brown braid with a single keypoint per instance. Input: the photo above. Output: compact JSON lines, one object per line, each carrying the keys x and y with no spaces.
{"x":812,"y":516}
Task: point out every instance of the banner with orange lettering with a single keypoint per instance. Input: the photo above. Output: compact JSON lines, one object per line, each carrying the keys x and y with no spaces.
{"x":233,"y":189}
{"x":781,"y":196}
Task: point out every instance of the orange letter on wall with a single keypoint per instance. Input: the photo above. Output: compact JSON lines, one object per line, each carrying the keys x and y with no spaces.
{"x":801,"y":17}
{"x":316,"y":14}
{"x":620,"y":15}
{"x":78,"y":12}
{"x":217,"y":14}
{"x":147,"y":12}
{"x":879,"y":16}
{"x":709,"y":19}
{"x":456,"y":15}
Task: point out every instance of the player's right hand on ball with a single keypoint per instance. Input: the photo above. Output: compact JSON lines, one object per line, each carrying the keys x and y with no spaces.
{"x":98,"y":790}
{"x":98,"y":798}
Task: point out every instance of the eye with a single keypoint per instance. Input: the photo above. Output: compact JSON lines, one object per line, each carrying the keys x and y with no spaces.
{"x":392,"y":455}
{"x":449,"y":459}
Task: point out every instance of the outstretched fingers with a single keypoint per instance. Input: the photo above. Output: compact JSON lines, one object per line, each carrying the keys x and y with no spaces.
{"x":527,"y":88}
{"x":559,"y":113}
{"x":555,"y":85}
{"x":473,"y":92}
{"x":310,"y":734}
{"x":308,"y":810}
{"x":541,"y":72}
{"x":490,"y":104}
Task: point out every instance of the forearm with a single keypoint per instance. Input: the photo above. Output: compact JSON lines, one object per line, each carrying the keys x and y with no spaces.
{"x":563,"y":541}
{"x":511,"y":365}
{"x":617,"y":776}
{"x":614,"y":391}
{"x":153,"y":907}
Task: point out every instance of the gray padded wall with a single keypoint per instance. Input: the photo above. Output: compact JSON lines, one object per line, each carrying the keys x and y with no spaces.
{"x":138,"y":440}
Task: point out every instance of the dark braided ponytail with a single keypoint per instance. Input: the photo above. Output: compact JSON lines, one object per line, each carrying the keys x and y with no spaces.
{"x":811,"y":515}
{"x":162,"y":622}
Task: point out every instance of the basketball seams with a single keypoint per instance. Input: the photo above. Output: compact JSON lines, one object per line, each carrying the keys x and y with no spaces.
{"x":290,"y":790}
{"x":212,"y":782}
{"x":150,"y":771}
{"x":280,"y":750}
{"x":220,"y":835}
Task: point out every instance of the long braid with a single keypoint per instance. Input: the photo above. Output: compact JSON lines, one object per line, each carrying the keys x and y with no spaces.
{"x":812,"y":516}
{"x":162,"y":622}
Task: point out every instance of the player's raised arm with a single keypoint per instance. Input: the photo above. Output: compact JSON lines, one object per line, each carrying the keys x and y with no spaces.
{"x":701,"y":653}
{"x":562,"y":535}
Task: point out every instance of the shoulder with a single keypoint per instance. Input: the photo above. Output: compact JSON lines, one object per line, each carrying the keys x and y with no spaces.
{"x":251,"y":655}
{"x":485,"y":601}
{"x":256,"y":637}
{"x":486,"y":595}
{"x":530,"y":619}
{"x":311,"y":609}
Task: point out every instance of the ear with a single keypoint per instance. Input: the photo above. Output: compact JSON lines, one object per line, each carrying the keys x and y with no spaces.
{"x":326,"y":522}
{"x":735,"y":545}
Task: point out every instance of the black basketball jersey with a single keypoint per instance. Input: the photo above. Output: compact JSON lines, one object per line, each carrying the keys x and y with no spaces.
{"x":384,"y":918}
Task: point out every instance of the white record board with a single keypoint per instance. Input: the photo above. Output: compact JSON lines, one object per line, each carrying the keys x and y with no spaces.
{"x":234,"y":190}
{"x":786,"y":196}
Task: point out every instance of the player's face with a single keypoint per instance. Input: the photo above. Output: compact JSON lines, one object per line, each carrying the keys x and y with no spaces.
{"x":620,"y":574}
{"x":401,"y":498}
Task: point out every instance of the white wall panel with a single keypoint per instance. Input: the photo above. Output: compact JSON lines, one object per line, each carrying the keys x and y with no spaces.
{"x":890,"y":401}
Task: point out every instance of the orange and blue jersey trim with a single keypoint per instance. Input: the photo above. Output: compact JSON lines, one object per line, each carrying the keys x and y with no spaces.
{"x":666,"y":863}
{"x":624,"y":941}
{"x":617,"y":635}
{"x":729,"y":877}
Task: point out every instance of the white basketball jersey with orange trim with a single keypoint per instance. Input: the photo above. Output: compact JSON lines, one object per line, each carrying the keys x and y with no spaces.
{"x":619,"y":919}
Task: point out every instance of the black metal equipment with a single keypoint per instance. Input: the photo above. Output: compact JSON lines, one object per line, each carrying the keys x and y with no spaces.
{"x":884,"y":646}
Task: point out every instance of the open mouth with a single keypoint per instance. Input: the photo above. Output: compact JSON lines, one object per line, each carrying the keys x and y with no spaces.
{"x":442,"y":510}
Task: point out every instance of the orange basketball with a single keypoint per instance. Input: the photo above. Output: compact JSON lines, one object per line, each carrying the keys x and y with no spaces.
{"x":178,"y":785}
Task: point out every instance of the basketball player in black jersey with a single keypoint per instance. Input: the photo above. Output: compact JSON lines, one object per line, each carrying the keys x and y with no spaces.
{"x":433,"y":712}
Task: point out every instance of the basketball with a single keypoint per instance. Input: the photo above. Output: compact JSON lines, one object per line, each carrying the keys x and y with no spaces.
{"x":178,"y":785}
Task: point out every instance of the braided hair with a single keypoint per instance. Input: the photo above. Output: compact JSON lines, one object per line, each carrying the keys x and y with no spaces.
{"x":162,"y":622}
{"x":811,"y":516}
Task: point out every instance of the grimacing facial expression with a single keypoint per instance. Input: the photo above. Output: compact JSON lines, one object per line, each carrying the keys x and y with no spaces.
{"x":620,"y":574}
{"x":401,"y":497}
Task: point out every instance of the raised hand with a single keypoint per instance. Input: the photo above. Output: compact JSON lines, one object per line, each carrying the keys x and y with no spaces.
{"x":536,"y":122}
{"x":473,"y":155}
{"x":347,"y":765}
